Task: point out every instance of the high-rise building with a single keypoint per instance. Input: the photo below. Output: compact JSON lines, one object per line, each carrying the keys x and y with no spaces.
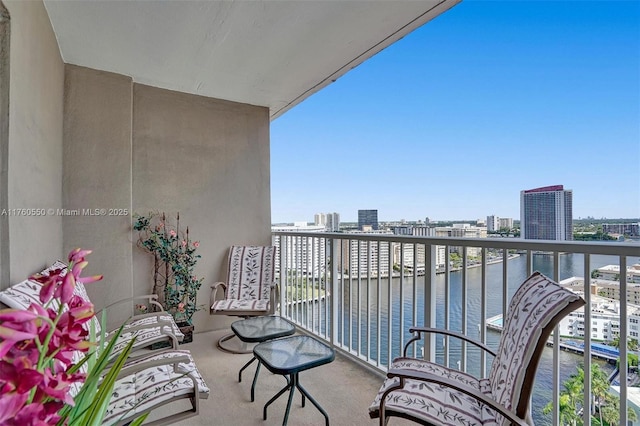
{"x":493,"y":223}
{"x":546,"y":213}
{"x":320,"y":219}
{"x":368,"y":218}
{"x":333,"y":222}
{"x":505,"y":222}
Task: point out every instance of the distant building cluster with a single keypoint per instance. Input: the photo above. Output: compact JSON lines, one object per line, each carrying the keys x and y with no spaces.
{"x":330,"y":221}
{"x":546,"y":213}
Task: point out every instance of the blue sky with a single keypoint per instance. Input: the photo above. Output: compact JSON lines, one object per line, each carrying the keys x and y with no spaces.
{"x":458,"y":117}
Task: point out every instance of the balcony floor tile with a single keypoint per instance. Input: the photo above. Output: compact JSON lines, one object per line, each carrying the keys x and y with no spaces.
{"x":343,"y":388}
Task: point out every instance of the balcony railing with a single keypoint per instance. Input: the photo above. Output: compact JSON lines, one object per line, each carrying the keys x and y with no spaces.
{"x":362,"y":292}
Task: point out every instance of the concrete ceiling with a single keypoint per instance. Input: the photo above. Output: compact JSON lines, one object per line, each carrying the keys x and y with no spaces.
{"x":266,"y":53}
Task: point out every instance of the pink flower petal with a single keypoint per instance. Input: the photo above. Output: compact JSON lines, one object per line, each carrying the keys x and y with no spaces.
{"x":17,"y":315}
{"x":14,"y":335}
{"x":91,"y":279}
{"x":78,"y":267}
{"x":67,"y":287}
{"x":10,"y":405}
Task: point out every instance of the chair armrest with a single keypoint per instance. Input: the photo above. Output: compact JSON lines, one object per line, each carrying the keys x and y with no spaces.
{"x":151,"y":298}
{"x":214,"y":292}
{"x":403,"y":374}
{"x":139,"y":365}
{"x":418,"y":331}
{"x":166,"y":329}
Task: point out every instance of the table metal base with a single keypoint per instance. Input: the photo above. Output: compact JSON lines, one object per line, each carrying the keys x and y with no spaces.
{"x":293,"y":382}
{"x":232,"y":344}
{"x":255,"y":376}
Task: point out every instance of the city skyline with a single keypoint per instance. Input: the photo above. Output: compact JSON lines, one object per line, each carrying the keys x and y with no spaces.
{"x":454,"y":120}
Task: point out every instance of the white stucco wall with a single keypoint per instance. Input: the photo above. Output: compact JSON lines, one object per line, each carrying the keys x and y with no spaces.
{"x":209,"y":160}
{"x":34,"y":177}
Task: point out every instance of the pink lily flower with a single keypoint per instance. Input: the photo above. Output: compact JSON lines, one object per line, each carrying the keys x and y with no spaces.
{"x":78,"y":267}
{"x":49,"y":285}
{"x":78,"y":255}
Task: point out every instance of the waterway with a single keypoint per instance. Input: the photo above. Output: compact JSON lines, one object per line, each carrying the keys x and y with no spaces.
{"x":570,"y":265}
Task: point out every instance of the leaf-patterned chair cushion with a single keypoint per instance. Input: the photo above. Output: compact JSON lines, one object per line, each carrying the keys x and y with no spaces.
{"x":535,"y":308}
{"x":154,"y":386}
{"x":249,"y":280}
{"x":430,"y":402}
{"x":145,"y":328}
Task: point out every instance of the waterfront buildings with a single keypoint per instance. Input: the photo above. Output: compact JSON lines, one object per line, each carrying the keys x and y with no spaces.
{"x":630,"y":229}
{"x":546,"y":213}
{"x":462,"y":230}
{"x":612,"y":272}
{"x":605,"y":311}
{"x":368,"y":219}
{"x":305,"y":255}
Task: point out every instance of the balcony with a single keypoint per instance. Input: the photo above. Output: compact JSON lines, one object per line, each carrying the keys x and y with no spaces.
{"x":337,"y":287}
{"x":103,"y":128}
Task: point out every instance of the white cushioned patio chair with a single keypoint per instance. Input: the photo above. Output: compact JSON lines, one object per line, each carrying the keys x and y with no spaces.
{"x":149,"y":328}
{"x":149,"y":382}
{"x":249,"y":290}
{"x":146,"y":382}
{"x":433,"y":394}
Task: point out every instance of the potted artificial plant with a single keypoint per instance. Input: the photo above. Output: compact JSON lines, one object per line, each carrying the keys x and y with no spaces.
{"x":174,"y":261}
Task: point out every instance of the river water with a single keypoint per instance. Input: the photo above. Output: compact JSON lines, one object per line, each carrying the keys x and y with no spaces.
{"x":570,"y":265}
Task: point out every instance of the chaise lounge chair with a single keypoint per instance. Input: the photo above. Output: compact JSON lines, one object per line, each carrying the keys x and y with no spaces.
{"x":147,"y":328}
{"x":150,"y":380}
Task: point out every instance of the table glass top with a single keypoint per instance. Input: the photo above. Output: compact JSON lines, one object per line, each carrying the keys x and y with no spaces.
{"x":259,"y":329}
{"x":292,"y":354}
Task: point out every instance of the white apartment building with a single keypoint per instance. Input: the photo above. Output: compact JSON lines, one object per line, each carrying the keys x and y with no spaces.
{"x":320,"y":219}
{"x":605,"y":316}
{"x":333,"y":222}
{"x":361,"y":257}
{"x":305,"y":254}
{"x":505,"y":222}
{"x":418,"y":259}
{"x":612,"y":272}
{"x":493,"y":223}
{"x":463,"y":230}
